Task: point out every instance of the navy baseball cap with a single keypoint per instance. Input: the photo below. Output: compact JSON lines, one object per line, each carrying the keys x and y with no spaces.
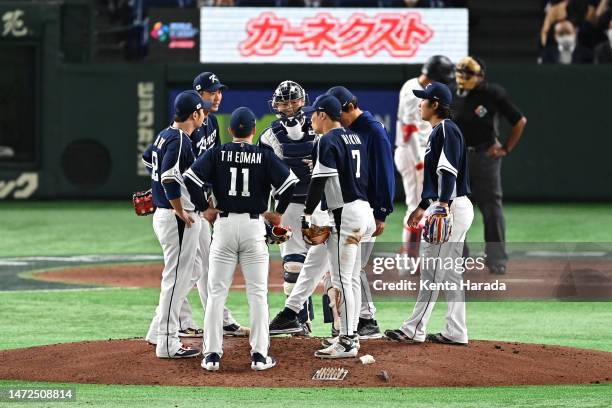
{"x":209,"y":82}
{"x":435,"y":91}
{"x":325,"y":103}
{"x":188,"y":102}
{"x":242,"y":122}
{"x":343,"y":95}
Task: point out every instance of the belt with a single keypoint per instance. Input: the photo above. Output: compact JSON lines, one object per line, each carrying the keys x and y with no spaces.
{"x":254,"y":216}
{"x":481,"y":147}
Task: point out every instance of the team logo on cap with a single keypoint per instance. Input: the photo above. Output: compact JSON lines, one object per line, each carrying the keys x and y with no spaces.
{"x":198,"y":87}
{"x":213,"y":78}
{"x":199,"y":106}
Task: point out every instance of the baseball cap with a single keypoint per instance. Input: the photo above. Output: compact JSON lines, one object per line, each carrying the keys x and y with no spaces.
{"x":209,"y":82}
{"x":242,"y":122}
{"x":343,"y":95}
{"x":325,"y":103}
{"x":188,"y":102}
{"x":435,"y":91}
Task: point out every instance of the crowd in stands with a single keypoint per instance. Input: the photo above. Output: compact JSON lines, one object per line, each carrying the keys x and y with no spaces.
{"x":576,"y":32}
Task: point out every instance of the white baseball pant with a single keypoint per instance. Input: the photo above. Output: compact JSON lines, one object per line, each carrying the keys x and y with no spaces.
{"x":238,"y":239}
{"x":456,"y":330}
{"x":179,"y":245}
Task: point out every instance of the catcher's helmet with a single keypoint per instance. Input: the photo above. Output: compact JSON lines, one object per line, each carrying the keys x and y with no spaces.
{"x":439,"y":68}
{"x":285,"y":92}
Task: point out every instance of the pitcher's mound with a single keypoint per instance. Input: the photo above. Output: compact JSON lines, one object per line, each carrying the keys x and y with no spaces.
{"x":482,"y":363}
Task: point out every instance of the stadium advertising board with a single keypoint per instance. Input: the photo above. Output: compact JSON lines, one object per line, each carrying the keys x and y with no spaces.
{"x":328,"y":35}
{"x":173,"y":34}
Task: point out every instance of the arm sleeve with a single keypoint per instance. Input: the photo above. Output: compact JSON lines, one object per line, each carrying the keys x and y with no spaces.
{"x":315,"y":193}
{"x":382,"y":175}
{"x":505,"y":106}
{"x":281,"y":177}
{"x":447,"y":185}
{"x":169,"y":168}
{"x":325,"y":165}
{"x":201,"y":172}
{"x":450,"y":155}
{"x":268,"y":140}
{"x":147,"y":158}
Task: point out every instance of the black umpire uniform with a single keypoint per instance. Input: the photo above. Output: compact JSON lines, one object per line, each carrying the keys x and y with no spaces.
{"x":476,"y":110}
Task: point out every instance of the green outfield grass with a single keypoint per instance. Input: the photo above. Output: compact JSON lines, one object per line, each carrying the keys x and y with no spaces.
{"x":29,"y":318}
{"x":595,"y":396}
{"x":75,"y":228}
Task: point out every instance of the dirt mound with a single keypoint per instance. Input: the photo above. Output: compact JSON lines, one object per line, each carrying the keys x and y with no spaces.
{"x":482,"y":363}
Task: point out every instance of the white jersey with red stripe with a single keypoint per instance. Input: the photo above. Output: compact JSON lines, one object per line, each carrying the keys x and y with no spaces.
{"x":411,"y":129}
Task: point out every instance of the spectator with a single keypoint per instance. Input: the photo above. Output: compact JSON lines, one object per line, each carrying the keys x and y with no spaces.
{"x":603,"y":52}
{"x":579,"y":12}
{"x":567,"y":51}
{"x":425,"y":3}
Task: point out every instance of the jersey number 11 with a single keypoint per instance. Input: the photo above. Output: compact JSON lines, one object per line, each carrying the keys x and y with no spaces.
{"x":245,"y":182}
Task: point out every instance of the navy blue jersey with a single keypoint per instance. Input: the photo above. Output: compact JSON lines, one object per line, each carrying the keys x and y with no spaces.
{"x":206,"y":136}
{"x":381,"y":172}
{"x":242,"y":176}
{"x":294,"y":151}
{"x":445,"y":151}
{"x":167,"y":158}
{"x":342,"y":155}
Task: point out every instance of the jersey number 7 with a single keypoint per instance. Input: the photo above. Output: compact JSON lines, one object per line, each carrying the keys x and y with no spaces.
{"x":245,"y":182}
{"x":357,"y":155}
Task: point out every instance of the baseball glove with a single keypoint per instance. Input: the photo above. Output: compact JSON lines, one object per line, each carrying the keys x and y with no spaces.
{"x":143,"y":202}
{"x":314,"y":234}
{"x":277,"y":234}
{"x":438,"y":225}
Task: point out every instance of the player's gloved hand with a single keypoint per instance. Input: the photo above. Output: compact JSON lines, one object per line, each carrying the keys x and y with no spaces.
{"x":438,"y":224}
{"x":143,"y":202}
{"x":277,"y":234}
{"x":314,"y":234}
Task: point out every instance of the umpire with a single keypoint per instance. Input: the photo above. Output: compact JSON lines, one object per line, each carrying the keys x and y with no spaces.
{"x":477,"y":108}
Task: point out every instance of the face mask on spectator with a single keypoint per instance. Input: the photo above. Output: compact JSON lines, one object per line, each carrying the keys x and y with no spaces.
{"x":566,"y":41}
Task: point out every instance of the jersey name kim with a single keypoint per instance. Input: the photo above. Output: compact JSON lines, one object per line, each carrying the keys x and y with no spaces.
{"x":241,"y":157}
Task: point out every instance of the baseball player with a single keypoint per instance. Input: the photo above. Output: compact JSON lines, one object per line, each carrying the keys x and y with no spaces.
{"x":210,"y":89}
{"x":176,"y":224}
{"x":341,"y":173}
{"x":445,"y":190}
{"x":411,"y":137}
{"x":241,"y":176}
{"x":292,"y":139}
{"x":381,"y":192}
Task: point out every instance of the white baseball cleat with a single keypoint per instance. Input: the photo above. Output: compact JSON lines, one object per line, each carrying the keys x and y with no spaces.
{"x":211,"y":362}
{"x":330,"y":341}
{"x":260,"y":363}
{"x":343,"y":348}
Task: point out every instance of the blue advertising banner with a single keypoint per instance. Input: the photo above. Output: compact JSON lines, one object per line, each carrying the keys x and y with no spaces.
{"x":382,"y":103}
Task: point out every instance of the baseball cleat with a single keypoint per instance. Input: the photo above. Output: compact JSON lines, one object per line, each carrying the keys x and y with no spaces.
{"x":344,"y":348}
{"x":306,"y":330}
{"x":368,"y":329}
{"x":330,"y":341}
{"x":191,"y":333}
{"x":400,"y":336}
{"x":236,"y":330}
{"x":260,"y":363}
{"x":211,"y":362}
{"x":184,"y":352}
{"x":281,"y":324}
{"x":497,"y":269}
{"x":440,"y":339}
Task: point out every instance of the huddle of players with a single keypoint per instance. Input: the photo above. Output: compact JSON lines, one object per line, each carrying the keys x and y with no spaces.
{"x":229,"y":186}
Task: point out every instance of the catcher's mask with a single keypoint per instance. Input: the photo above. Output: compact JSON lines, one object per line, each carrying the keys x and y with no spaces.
{"x":288,"y":92}
{"x":469,"y":73}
